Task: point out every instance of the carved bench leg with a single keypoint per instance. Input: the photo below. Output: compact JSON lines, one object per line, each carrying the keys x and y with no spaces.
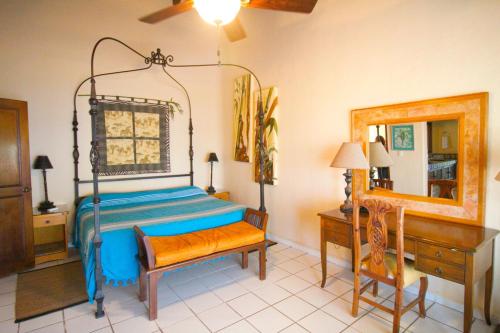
{"x":244,"y":259}
{"x":153,"y":295}
{"x":262,"y":262}
{"x":143,"y":284}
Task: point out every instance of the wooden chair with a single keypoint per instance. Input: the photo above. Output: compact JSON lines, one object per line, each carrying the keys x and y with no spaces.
{"x":384,"y":183}
{"x":446,"y":187}
{"x":379,"y":265}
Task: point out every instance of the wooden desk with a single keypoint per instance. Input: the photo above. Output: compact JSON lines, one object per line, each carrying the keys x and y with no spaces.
{"x":452,"y":251}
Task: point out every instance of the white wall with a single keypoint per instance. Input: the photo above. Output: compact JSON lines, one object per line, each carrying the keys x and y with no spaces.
{"x":355,"y":54}
{"x":409,"y":170}
{"x":45,"y":53}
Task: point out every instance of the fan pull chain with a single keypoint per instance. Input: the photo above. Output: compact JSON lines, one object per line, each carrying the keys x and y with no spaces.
{"x":218,"y":44}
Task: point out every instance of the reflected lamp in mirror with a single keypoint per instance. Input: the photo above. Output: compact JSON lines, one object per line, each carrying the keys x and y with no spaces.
{"x":350,"y":156}
{"x":379,"y":158}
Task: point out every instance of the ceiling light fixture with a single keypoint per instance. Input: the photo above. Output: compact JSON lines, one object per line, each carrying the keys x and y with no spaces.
{"x":217,"y":12}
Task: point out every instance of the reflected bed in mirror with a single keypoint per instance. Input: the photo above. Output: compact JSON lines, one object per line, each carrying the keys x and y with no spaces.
{"x":418,"y":158}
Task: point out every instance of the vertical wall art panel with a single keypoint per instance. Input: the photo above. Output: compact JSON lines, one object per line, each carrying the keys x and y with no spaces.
{"x":271,"y":116}
{"x":242,"y":123}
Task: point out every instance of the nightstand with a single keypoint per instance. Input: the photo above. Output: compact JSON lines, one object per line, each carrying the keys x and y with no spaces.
{"x":50,"y":235}
{"x":221,"y":195}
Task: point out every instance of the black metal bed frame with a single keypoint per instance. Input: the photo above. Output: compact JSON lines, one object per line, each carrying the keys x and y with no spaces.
{"x":156,"y":58}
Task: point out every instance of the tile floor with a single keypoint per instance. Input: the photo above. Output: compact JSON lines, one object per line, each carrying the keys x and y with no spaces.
{"x":221,"y":297}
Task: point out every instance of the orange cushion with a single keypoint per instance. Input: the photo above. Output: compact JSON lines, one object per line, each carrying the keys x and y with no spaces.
{"x":173,"y":249}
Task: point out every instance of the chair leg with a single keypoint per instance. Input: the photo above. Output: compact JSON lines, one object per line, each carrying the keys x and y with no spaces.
{"x":375,"y":288}
{"x":143,"y":284}
{"x":262,"y":262}
{"x":153,"y":295}
{"x":421,"y":295}
{"x":355,"y":295}
{"x":244,"y":259}
{"x":398,"y":303}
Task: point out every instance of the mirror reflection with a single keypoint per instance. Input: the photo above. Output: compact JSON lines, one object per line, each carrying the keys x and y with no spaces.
{"x":415,"y":158}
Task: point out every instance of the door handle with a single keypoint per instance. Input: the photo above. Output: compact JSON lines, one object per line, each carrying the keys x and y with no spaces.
{"x":26,"y":189}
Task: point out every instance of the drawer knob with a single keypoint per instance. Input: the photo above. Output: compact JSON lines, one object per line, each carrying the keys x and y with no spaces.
{"x":438,"y":270}
{"x":47,"y":221}
{"x":438,"y":254}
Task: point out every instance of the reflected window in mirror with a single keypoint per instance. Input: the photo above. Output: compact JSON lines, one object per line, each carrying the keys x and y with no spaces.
{"x":418,"y":158}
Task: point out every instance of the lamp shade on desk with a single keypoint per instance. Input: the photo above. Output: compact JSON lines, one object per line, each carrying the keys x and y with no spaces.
{"x":350,"y":156}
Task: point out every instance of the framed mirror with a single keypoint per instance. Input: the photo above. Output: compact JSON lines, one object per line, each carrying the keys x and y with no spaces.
{"x":428,"y":156}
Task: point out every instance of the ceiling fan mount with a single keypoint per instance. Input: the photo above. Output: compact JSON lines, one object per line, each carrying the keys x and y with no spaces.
{"x":234,"y":30}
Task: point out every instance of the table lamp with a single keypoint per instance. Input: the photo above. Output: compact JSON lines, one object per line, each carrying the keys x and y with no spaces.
{"x":379,"y":158}
{"x":350,"y":156}
{"x":43,"y":163}
{"x":212,"y":157}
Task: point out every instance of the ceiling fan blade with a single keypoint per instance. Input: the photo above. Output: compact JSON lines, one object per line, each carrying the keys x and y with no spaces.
{"x":297,"y":6}
{"x":165,"y":13}
{"x":234,"y":30}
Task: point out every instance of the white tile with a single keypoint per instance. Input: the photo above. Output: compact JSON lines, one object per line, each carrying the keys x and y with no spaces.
{"x":446,"y":315}
{"x":8,"y":326}
{"x":215,"y":279}
{"x":166,"y":296}
{"x":247,"y":305}
{"x":42,"y":321}
{"x":229,"y":292}
{"x":79,"y":310}
{"x":54,"y":328}
{"x":406,"y":320}
{"x":346,"y":275}
{"x":278,"y":247}
{"x":202,"y":269}
{"x":253,"y":283}
{"x":425,"y":325}
{"x":224,"y":263}
{"x":106,"y":329}
{"x":409,"y":297}
{"x":351,"y":330}
{"x":8,"y":284}
{"x":86,"y":323}
{"x":274,"y":273}
{"x":272,"y":294}
{"x":295,"y":328}
{"x":240,"y":327}
{"x":331,"y":269}
{"x":384,"y":290}
{"x":117,"y":296}
{"x":269,"y":320}
{"x":191,"y":325}
{"x":189,"y":289}
{"x":178,"y":277}
{"x":276,"y":258}
{"x":336,"y":286}
{"x":137,"y":324}
{"x":316,"y":296}
{"x":349,"y":297}
{"x":310,"y":275}
{"x":238,"y":273}
{"x":294,"y":308}
{"x":7,"y":298}
{"x":293,"y":284}
{"x":202,"y":302}
{"x":292,"y":266}
{"x":342,"y":310}
{"x":309,"y":260}
{"x":6,"y":312}
{"x":480,"y":326}
{"x":219,"y":317}
{"x":172,"y":314}
{"x":373,"y":324}
{"x":292,"y":252}
{"x":320,"y":322}
{"x":126,"y":311}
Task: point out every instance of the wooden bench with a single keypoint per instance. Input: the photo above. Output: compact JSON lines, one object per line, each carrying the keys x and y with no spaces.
{"x":159,"y":254}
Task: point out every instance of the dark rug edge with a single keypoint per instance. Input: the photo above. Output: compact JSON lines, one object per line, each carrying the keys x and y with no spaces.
{"x":50,"y":311}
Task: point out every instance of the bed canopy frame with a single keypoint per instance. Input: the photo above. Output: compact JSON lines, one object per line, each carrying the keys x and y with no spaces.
{"x":158,"y":59}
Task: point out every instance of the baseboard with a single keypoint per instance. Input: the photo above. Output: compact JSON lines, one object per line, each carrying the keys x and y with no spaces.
{"x":478,"y":313}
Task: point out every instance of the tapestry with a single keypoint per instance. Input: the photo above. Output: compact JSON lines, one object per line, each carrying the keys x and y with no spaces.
{"x":133,"y":138}
{"x":242,"y":119}
{"x":271,"y":112}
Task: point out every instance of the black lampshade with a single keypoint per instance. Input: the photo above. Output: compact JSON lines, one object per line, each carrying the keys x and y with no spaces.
{"x":42,"y":162}
{"x":213,"y":157}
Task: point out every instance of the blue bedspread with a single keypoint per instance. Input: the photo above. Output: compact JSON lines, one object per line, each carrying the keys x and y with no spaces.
{"x":160,"y":212}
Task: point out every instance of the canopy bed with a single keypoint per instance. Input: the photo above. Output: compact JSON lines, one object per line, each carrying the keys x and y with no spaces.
{"x":124,"y":146}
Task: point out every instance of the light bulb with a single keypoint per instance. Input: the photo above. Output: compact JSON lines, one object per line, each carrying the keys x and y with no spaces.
{"x":218,"y":12}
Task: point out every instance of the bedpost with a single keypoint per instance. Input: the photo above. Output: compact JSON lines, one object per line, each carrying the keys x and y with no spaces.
{"x":76,"y":155}
{"x":191,"y":151}
{"x":262,"y":152}
{"x":94,"y":160}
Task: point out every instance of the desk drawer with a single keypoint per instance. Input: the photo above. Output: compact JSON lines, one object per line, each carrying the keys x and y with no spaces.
{"x":338,"y":233}
{"x":441,"y":253}
{"x":440,"y":269}
{"x":48,"y":220}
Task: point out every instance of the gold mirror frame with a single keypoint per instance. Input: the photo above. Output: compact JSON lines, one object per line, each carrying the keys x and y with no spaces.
{"x":470,"y":111}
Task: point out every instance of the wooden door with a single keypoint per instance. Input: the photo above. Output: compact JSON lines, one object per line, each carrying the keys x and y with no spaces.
{"x":16,"y":224}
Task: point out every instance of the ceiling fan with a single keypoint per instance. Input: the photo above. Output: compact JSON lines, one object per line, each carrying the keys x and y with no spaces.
{"x":223,"y":12}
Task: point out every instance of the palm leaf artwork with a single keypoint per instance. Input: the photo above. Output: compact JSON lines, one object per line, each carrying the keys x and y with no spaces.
{"x":242,"y":146}
{"x":270,"y":103}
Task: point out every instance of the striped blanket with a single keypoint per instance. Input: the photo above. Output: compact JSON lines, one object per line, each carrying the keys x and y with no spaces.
{"x":160,"y":212}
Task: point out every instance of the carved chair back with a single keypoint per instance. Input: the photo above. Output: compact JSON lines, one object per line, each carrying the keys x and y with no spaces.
{"x":378,"y":239}
{"x":446,"y":187}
